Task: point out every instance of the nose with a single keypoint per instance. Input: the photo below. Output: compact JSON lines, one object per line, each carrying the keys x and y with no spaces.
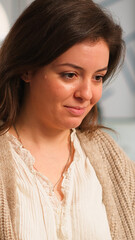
{"x":84,"y":90}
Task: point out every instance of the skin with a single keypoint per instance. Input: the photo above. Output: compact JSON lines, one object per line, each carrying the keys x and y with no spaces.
{"x":62,"y":93}
{"x":58,"y":98}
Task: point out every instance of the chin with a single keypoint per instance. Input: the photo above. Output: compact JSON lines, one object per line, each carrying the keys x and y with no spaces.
{"x":74,"y":124}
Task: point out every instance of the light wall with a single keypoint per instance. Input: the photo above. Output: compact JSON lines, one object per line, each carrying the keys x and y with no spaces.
{"x":118,"y":99}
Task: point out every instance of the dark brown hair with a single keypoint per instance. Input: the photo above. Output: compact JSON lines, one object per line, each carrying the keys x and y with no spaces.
{"x":45,"y":30}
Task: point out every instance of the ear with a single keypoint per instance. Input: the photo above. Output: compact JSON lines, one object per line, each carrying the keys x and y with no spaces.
{"x":26,"y":77}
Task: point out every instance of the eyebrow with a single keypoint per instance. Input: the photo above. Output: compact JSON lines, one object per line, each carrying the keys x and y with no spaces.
{"x":78,"y":67}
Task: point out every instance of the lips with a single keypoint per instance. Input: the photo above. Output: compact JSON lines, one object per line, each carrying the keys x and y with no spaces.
{"x":75,"y":110}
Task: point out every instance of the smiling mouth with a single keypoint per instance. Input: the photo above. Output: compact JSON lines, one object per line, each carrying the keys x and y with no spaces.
{"x":76,"y":111}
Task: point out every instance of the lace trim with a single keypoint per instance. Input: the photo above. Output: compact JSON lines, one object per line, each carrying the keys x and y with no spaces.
{"x":23,"y":153}
{"x":27,"y":157}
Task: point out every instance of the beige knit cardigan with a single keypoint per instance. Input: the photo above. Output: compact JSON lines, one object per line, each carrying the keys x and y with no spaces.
{"x":114,"y":170}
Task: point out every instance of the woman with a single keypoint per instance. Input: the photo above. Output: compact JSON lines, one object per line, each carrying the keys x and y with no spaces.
{"x":61,"y":176}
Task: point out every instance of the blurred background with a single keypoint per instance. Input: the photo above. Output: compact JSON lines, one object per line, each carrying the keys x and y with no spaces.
{"x":117,"y":105}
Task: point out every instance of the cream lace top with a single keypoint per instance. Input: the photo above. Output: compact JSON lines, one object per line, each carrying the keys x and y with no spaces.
{"x":81,"y":215}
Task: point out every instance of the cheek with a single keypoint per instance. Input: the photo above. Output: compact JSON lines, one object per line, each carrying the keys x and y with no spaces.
{"x":56,"y":93}
{"x":47,"y":90}
{"x":97,"y":95}
{"x":62,"y":91}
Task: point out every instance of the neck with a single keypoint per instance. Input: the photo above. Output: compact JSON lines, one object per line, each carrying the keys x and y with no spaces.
{"x":39,"y":134}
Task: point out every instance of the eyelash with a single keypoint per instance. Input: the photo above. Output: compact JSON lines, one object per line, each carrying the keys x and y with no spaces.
{"x":68,"y":75}
{"x":99,"y":78}
{"x":71,"y":75}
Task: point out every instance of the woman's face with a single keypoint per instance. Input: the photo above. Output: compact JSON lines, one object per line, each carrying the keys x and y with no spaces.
{"x":62,"y":93}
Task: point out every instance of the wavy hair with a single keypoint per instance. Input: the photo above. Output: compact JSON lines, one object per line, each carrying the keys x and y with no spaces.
{"x":45,"y":30}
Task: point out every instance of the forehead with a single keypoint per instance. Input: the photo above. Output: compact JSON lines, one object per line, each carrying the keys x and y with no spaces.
{"x":85,"y":53}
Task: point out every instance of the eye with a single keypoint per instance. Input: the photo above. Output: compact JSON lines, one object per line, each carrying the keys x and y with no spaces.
{"x":99,"y":78}
{"x":69,"y":75}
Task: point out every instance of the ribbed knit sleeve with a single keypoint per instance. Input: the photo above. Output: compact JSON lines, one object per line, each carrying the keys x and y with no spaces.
{"x":116,"y":173}
{"x":122,"y":174}
{"x":7,"y":192}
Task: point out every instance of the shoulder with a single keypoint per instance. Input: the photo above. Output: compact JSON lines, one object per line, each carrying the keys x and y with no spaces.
{"x":102,"y":142}
{"x":7,"y":168}
{"x":7,"y":185}
{"x":111,"y":155}
{"x":6,"y":159}
{"x":4,"y":142}
{"x":4,"y":147}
